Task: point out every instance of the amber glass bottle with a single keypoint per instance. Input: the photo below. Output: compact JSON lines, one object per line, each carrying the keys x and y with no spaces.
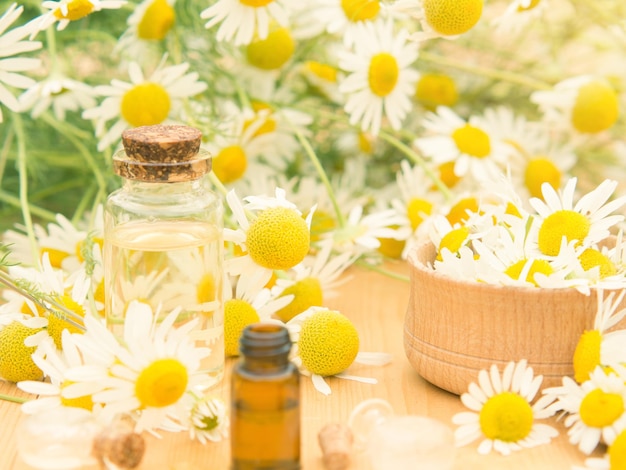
{"x":265,"y":402}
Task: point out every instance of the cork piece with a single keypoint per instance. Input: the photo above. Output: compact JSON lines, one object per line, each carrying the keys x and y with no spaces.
{"x":336,"y":440}
{"x":160,"y":153}
{"x":162,"y":144}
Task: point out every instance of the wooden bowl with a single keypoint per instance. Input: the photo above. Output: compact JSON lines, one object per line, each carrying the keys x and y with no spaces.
{"x":453,"y":328}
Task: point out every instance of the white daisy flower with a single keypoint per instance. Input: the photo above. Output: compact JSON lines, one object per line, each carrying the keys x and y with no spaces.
{"x":471,"y":145}
{"x":613,"y":459}
{"x":599,"y":346}
{"x":441,"y":19}
{"x":596,"y":409}
{"x":314,"y":280}
{"x":11,"y":43}
{"x":60,"y":93}
{"x":64,"y":11}
{"x":59,"y":390}
{"x":276,"y":237}
{"x":149,"y":23}
{"x":586,"y":104}
{"x":209,"y":420}
{"x":519,"y":14}
{"x":144,"y":101}
{"x":316,"y":356}
{"x":587,"y":222}
{"x":503,"y":414}
{"x":153,"y":370}
{"x":380,"y":81}
{"x":240,"y":22}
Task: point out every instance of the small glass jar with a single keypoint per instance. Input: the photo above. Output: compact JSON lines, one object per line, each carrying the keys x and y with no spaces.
{"x":163,"y":240}
{"x":265,"y":402}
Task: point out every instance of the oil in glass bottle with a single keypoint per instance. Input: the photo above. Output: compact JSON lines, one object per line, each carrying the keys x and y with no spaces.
{"x":265,"y":402}
{"x":163,"y":236}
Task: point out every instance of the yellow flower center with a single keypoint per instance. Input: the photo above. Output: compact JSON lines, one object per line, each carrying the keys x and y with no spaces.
{"x":587,"y":355}
{"x":307,"y":293}
{"x":617,"y":452}
{"x":206,"y":289}
{"x":562,"y":223}
{"x":279,"y":238}
{"x":459,"y":213}
{"x":85,"y":402}
{"x":417,"y":209}
{"x":596,"y":108}
{"x":272,"y":52}
{"x":530,"y":6}
{"x":447,"y":174}
{"x":76,"y":9}
{"x":57,"y":322}
{"x":321,"y":223}
{"x":391,"y":248}
{"x":237,"y":315}
{"x":453,"y":240}
{"x":255,"y":3}
{"x":230,"y":164}
{"x":323,"y":71}
{"x":162,"y":383}
{"x":56,"y":256}
{"x":366,"y":143}
{"x":145,"y":105}
{"x":269,"y":124}
{"x":360,"y":10}
{"x":99,"y":294}
{"x":537,"y":266}
{"x":472,"y":141}
{"x":590,"y":258}
{"x":156,"y":21}
{"x":506,"y":417}
{"x":435,"y":89}
{"x":383,"y":74}
{"x":16,"y":359}
{"x":599,"y":408}
{"x":452,"y":17}
{"x":538,"y":171}
{"x":512,"y":209}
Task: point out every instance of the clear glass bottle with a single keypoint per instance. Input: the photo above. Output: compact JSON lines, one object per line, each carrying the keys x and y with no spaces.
{"x":163,"y":236}
{"x":265,"y":402}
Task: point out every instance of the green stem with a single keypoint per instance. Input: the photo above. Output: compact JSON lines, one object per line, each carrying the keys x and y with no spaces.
{"x":23,"y":191}
{"x":12,"y":398}
{"x":504,"y":75}
{"x":35,"y":210}
{"x":417,"y":160}
{"x":4,"y":152}
{"x":322,"y":174}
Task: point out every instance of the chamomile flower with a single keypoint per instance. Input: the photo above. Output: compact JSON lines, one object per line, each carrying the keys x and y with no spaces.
{"x":586,"y":104}
{"x":343,"y":18}
{"x":599,"y":346}
{"x":144,"y":101}
{"x":21,"y":337}
{"x":596,"y":409}
{"x":242,"y":21}
{"x":326,"y":343}
{"x":442,"y":18}
{"x":58,"y":390}
{"x":519,"y":14}
{"x":153,"y":371}
{"x":587,"y":222}
{"x":380,"y":80}
{"x":471,"y":145}
{"x":63,"y":12}
{"x":149,"y":23}
{"x":313,"y":280}
{"x":502,"y":412}
{"x":275,"y":236}
{"x":614,"y":458}
{"x":436,"y":89}
{"x":11,"y":44}
{"x":249,"y":302}
{"x":209,"y":419}
{"x":60,"y":93}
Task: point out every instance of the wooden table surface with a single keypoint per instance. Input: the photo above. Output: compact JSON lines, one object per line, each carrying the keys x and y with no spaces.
{"x":376,"y":304}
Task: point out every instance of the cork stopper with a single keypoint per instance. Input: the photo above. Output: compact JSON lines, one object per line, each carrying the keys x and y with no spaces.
{"x":162,"y":154}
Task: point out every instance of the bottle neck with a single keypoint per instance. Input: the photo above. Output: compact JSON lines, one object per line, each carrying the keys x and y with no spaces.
{"x":151,"y":186}
{"x":266,"y":365}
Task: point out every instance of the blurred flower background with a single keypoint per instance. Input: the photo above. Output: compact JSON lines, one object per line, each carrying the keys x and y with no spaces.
{"x":375,"y":122}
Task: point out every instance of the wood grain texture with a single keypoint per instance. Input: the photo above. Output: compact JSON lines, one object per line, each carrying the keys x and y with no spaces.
{"x":377,"y":305}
